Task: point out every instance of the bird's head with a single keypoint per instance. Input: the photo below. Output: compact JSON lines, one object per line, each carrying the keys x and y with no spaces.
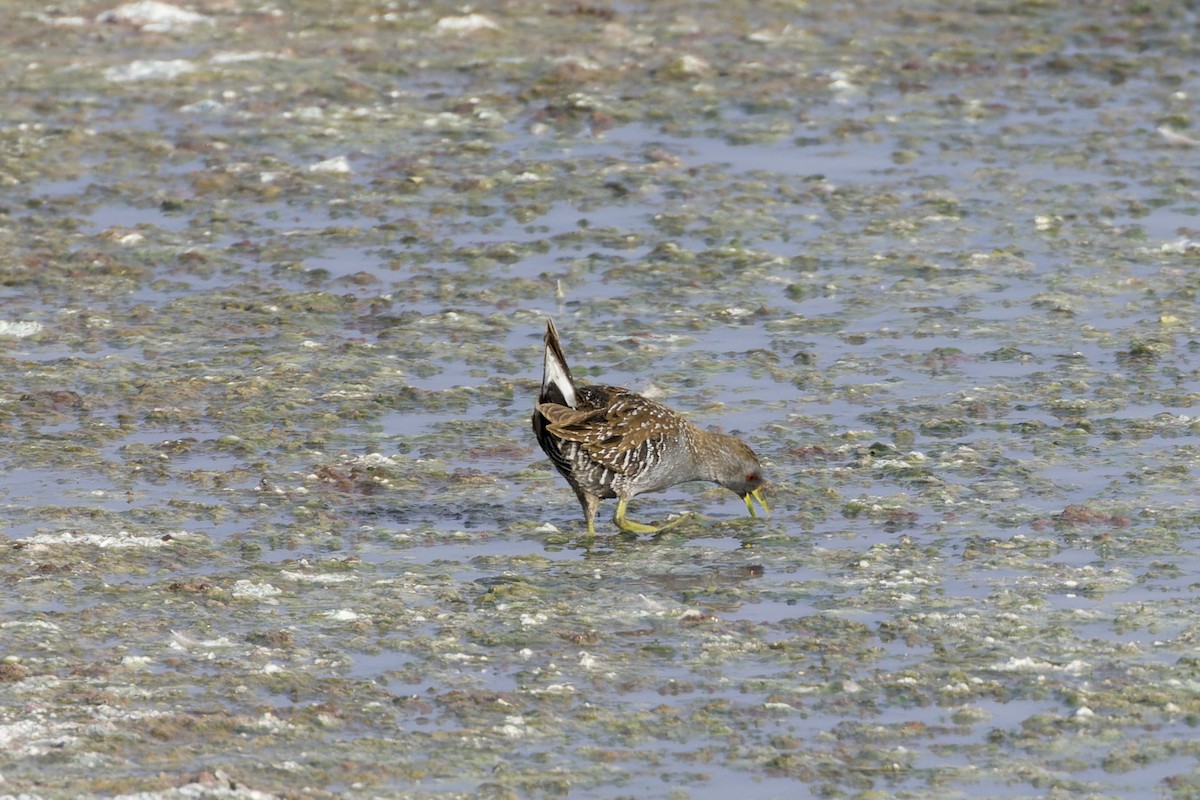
{"x":740,"y":472}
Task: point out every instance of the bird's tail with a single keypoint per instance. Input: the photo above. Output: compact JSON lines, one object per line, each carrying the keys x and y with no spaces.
{"x":557,"y":384}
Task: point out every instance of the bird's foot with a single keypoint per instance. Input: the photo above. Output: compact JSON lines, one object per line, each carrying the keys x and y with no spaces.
{"x":629,"y":526}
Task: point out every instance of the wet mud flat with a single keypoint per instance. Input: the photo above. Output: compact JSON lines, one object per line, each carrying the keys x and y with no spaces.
{"x":272,"y":288}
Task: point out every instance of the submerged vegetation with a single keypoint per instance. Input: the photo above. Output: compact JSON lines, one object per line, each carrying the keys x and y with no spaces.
{"x":272,"y":291}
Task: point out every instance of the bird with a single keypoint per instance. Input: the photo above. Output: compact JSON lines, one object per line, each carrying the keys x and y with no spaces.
{"x":610,"y":442}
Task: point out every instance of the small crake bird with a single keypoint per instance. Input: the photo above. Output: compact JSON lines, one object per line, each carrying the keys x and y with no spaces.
{"x":611,"y":442}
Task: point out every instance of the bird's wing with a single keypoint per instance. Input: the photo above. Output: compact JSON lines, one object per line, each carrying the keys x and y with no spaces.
{"x":618,"y":434}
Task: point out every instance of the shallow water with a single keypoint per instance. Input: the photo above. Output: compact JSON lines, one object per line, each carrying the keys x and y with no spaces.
{"x":269,"y":472}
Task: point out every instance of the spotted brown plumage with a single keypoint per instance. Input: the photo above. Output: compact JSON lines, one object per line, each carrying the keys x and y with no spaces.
{"x":611,"y":442}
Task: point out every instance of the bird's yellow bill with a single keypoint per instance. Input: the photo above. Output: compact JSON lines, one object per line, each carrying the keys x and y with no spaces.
{"x":758,"y":495}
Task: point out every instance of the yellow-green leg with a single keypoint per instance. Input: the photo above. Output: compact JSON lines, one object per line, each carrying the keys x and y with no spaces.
{"x":629,"y":526}
{"x":590,"y":503}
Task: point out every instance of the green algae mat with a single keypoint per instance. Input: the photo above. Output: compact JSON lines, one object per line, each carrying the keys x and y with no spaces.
{"x":273,"y":282}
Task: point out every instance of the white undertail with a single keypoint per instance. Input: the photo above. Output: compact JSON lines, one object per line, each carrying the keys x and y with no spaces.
{"x":555,"y":371}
